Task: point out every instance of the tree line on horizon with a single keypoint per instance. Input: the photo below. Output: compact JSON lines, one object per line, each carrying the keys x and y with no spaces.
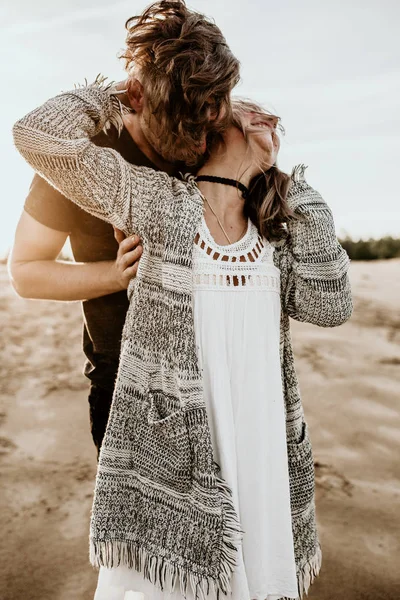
{"x":371,"y":249}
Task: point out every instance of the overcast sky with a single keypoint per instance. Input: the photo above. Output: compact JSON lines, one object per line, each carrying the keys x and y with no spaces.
{"x":329,"y":68}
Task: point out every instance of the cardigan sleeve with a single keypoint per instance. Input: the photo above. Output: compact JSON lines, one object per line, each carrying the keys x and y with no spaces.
{"x":55,"y":139}
{"x":314,"y":266}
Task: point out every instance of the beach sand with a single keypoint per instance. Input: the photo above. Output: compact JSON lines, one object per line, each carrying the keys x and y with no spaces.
{"x":350,"y":383}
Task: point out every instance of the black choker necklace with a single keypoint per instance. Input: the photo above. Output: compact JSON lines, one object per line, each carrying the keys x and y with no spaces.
{"x":225,"y":181}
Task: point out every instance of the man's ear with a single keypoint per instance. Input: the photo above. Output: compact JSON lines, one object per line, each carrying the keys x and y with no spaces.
{"x":135,"y":92}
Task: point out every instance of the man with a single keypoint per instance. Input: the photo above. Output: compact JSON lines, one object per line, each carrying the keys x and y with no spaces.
{"x":180,"y":75}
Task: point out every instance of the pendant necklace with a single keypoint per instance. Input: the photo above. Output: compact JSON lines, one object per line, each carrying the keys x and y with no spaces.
{"x":224,"y":181}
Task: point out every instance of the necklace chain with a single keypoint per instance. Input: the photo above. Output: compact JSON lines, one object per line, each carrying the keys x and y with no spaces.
{"x":220,"y":224}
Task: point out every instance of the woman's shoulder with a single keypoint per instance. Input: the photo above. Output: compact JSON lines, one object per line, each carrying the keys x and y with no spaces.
{"x":161,"y":180}
{"x":184,"y":185}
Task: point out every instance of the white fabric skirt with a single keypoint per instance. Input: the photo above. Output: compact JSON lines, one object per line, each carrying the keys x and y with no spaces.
{"x":237,"y":333}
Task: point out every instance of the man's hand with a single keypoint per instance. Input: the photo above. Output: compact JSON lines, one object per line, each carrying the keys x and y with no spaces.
{"x":36,"y":271}
{"x":127,"y":261}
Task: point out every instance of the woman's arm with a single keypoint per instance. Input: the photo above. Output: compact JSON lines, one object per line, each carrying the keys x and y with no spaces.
{"x":313,"y":264}
{"x":55,"y":140}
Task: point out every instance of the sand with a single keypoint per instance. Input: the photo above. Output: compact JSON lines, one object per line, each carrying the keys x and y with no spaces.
{"x":350,"y":382}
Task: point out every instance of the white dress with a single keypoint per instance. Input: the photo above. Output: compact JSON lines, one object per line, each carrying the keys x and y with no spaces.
{"x":237,"y":326}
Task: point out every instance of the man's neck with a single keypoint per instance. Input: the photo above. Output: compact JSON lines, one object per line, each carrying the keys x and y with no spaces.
{"x":132,"y":125}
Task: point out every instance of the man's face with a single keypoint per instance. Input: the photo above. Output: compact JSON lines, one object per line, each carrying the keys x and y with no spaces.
{"x":187,"y":148}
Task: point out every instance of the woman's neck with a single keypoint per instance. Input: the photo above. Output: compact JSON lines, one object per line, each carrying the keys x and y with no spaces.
{"x":231,"y":162}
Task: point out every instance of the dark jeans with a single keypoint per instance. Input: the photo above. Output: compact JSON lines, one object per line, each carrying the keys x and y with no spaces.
{"x":99,"y":409}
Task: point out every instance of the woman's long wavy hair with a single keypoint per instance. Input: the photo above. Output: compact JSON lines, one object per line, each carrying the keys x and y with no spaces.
{"x":266,"y":204}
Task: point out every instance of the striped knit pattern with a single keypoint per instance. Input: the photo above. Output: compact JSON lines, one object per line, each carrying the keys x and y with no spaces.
{"x":160,"y":503}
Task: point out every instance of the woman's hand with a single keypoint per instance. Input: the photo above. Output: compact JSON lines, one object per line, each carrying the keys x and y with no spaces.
{"x":127,"y":262}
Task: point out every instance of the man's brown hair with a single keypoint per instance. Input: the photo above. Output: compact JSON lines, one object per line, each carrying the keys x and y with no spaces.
{"x":186,"y":68}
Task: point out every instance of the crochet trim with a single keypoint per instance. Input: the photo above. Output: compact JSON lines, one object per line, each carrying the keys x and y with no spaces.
{"x":242,"y":266}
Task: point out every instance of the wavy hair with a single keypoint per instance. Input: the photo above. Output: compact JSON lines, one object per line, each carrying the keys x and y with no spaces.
{"x":266,"y":204}
{"x":186,"y":67}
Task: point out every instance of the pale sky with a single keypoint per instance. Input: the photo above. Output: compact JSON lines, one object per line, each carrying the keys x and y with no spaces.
{"x":330,"y":69}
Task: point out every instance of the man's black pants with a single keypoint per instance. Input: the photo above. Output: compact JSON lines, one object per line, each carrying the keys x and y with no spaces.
{"x":99,"y":410}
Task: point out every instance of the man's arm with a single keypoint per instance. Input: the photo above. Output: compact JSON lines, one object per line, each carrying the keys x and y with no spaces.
{"x":36,"y":273}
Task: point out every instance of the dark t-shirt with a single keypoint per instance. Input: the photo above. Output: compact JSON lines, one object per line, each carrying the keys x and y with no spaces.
{"x":91,"y":240}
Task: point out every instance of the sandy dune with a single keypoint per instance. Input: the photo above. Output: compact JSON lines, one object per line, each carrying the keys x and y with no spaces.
{"x":350,"y":381}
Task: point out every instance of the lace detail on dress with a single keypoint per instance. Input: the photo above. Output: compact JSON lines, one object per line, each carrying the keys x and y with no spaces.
{"x":246,"y":264}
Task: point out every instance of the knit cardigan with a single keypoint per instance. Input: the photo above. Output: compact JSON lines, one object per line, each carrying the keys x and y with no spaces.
{"x":160,"y":503}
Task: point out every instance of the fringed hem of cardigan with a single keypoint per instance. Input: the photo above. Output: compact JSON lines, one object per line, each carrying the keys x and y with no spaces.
{"x":161,"y":571}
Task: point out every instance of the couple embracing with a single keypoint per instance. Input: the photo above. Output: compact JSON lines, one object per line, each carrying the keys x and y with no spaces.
{"x":205,"y":481}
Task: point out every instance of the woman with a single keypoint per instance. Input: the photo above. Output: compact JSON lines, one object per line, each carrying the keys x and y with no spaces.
{"x":205,"y":481}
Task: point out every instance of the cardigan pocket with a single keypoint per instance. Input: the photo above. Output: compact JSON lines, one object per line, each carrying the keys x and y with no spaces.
{"x":163,"y":397}
{"x":301,"y":472}
{"x":167,"y":431}
{"x":163,"y":411}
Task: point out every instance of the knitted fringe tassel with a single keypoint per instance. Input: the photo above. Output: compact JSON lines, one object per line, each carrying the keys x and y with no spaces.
{"x":307,"y":575}
{"x":297,"y":173}
{"x":231,"y":539}
{"x":119,"y":109}
{"x":116,"y":117}
{"x":309,"y":572}
{"x":165,"y":574}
